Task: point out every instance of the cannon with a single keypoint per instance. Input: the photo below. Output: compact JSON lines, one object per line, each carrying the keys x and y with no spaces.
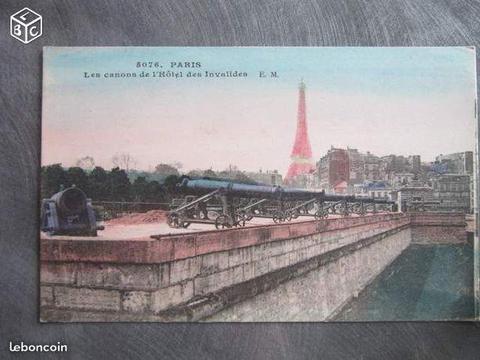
{"x":234,"y":204}
{"x":69,"y":212}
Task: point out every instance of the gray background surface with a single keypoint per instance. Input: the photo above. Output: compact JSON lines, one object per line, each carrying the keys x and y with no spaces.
{"x":198,"y":22}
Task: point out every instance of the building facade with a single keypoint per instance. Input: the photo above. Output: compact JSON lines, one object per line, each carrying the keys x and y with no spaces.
{"x":453,"y":192}
{"x":408,"y":196}
{"x":269,"y":177}
{"x":356,"y":166}
{"x":333,"y":168}
{"x":457,"y":163}
{"x":374,"y":189}
{"x":446,"y":184}
{"x":415,"y":163}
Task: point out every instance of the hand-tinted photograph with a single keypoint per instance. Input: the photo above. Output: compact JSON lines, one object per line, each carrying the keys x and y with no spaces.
{"x":258,"y":184}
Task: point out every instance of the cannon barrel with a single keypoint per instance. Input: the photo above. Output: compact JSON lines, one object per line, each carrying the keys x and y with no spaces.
{"x":71,"y":201}
{"x":204,"y":186}
{"x":301,"y":194}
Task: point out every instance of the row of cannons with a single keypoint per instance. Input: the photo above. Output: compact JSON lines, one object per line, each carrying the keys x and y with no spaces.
{"x":228,"y":204}
{"x":223,"y":204}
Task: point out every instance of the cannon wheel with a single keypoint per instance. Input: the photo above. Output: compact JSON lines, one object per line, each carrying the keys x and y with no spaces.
{"x":241,"y":219}
{"x":321,"y":214}
{"x":223,"y":221}
{"x":362,"y":211}
{"x":185,"y":224}
{"x":278,"y":217}
{"x":241,"y":215}
{"x":249,"y":216}
{"x":294,"y":214}
{"x":172,"y":220}
{"x":289,"y":215}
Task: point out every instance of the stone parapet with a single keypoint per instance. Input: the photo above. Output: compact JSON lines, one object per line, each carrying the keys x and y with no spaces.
{"x":193,"y":276}
{"x":167,"y":248}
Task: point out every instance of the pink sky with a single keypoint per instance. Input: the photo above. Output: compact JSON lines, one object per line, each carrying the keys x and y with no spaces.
{"x":250,"y":123}
{"x":251,"y":131}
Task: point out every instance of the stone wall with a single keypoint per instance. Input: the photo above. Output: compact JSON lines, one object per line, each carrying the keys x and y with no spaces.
{"x":195,"y":275}
{"x":322,"y":292}
{"x":438,"y":228}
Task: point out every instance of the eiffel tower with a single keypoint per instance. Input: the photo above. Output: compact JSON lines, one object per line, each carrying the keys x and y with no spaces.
{"x":302,"y":152}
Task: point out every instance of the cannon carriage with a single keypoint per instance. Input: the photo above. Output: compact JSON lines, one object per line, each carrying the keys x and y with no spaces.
{"x":227,"y":204}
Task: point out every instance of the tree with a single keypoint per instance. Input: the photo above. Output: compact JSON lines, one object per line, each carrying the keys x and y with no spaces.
{"x":195,"y":173}
{"x":155,"y":192}
{"x":177,"y":165}
{"x":147,"y":191}
{"x":53,"y":178}
{"x":170,"y":185}
{"x":124,"y":161}
{"x":242,"y":178}
{"x":209,"y":173}
{"x":140,"y":191}
{"x":86,"y":163}
{"x":98,"y":184}
{"x":98,"y":174}
{"x":76,"y":176}
{"x":118,"y":185}
{"x":166,"y":170}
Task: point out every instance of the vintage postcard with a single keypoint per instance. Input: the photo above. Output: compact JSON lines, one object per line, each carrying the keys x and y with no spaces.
{"x":258,"y":184}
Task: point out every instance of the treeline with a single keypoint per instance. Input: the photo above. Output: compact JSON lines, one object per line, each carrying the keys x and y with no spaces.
{"x":103,"y":185}
{"x":118,"y":185}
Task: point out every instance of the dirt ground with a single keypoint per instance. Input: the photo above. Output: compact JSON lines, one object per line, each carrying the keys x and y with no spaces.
{"x":152,"y":216}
